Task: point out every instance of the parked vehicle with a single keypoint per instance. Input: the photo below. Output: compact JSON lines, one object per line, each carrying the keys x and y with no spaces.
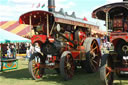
{"x":116,"y":17}
{"x":64,"y":41}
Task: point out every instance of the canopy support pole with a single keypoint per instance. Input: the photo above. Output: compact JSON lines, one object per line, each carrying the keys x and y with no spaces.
{"x":30,"y":21}
{"x":107,"y":22}
{"x":47,"y":26}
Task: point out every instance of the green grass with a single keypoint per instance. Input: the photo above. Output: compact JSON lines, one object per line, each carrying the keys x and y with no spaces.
{"x":21,"y":76}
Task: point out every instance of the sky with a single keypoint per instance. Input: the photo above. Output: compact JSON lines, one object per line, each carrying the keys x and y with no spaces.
{"x":11,"y":10}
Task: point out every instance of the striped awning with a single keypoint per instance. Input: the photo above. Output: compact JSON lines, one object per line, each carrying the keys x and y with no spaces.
{"x":15,"y":27}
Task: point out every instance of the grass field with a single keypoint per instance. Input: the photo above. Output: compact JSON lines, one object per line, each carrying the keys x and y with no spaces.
{"x":21,"y":76}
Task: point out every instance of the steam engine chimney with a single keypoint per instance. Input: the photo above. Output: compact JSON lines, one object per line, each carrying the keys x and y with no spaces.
{"x":125,"y":0}
{"x":51,"y":5}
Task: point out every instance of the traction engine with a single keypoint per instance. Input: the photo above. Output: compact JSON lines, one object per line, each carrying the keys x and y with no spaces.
{"x":116,"y":17}
{"x":63,"y":42}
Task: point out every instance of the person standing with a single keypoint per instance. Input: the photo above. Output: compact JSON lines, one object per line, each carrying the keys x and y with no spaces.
{"x":13,"y":51}
{"x":27,"y":51}
{"x":8,"y":52}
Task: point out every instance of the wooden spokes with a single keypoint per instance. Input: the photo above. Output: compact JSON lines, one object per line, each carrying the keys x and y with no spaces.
{"x":69,"y":66}
{"x":34,"y":66}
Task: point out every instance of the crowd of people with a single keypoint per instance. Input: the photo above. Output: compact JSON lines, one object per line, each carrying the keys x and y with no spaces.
{"x":104,"y":44}
{"x":31,"y":49}
{"x":11,"y":50}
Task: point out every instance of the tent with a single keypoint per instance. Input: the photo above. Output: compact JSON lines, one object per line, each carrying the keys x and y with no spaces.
{"x":8,"y":37}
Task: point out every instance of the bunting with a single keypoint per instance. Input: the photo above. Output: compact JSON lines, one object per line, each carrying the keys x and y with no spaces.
{"x":38,"y":5}
{"x":43,"y":6}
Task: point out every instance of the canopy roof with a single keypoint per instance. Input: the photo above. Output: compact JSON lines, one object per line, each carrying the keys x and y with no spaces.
{"x":39,"y":16}
{"x":111,"y":9}
{"x":8,"y":37}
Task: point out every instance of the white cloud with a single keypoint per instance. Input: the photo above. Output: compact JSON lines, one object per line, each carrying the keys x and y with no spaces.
{"x":27,"y":1}
{"x":15,"y":8}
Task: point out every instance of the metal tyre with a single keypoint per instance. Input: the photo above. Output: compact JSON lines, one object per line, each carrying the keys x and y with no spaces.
{"x":67,"y":65}
{"x":34,"y":66}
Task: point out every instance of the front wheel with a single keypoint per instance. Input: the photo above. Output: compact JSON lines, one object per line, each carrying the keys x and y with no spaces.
{"x":67,"y":65}
{"x":34,"y":66}
{"x":106,"y":71}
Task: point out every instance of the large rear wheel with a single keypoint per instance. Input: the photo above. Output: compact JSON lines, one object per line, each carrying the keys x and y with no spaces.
{"x":34,"y":66}
{"x":93,"y":55}
{"x":67,"y":65}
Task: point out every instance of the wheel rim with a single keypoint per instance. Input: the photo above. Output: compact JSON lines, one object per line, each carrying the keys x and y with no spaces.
{"x":95,"y":55}
{"x":69,"y":66}
{"x":36,"y":67}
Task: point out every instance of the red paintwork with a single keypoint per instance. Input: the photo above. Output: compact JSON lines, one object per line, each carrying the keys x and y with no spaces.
{"x":123,"y":69}
{"x":69,"y":35}
{"x":41,"y":38}
{"x":82,"y":35}
{"x":115,"y":36}
{"x":75,"y":54}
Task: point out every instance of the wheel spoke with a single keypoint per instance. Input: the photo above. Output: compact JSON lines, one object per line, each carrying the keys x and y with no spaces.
{"x":37,"y":72}
{"x":95,"y":62}
{"x":107,"y":74}
{"x":34,"y":71}
{"x":94,"y":48}
{"x":93,"y":44}
{"x":108,"y":70}
{"x":35,"y":68}
{"x":69,"y":68}
{"x":93,"y":65}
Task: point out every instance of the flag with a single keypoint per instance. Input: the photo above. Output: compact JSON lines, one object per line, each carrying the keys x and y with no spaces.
{"x":43,"y":6}
{"x":38,"y":5}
